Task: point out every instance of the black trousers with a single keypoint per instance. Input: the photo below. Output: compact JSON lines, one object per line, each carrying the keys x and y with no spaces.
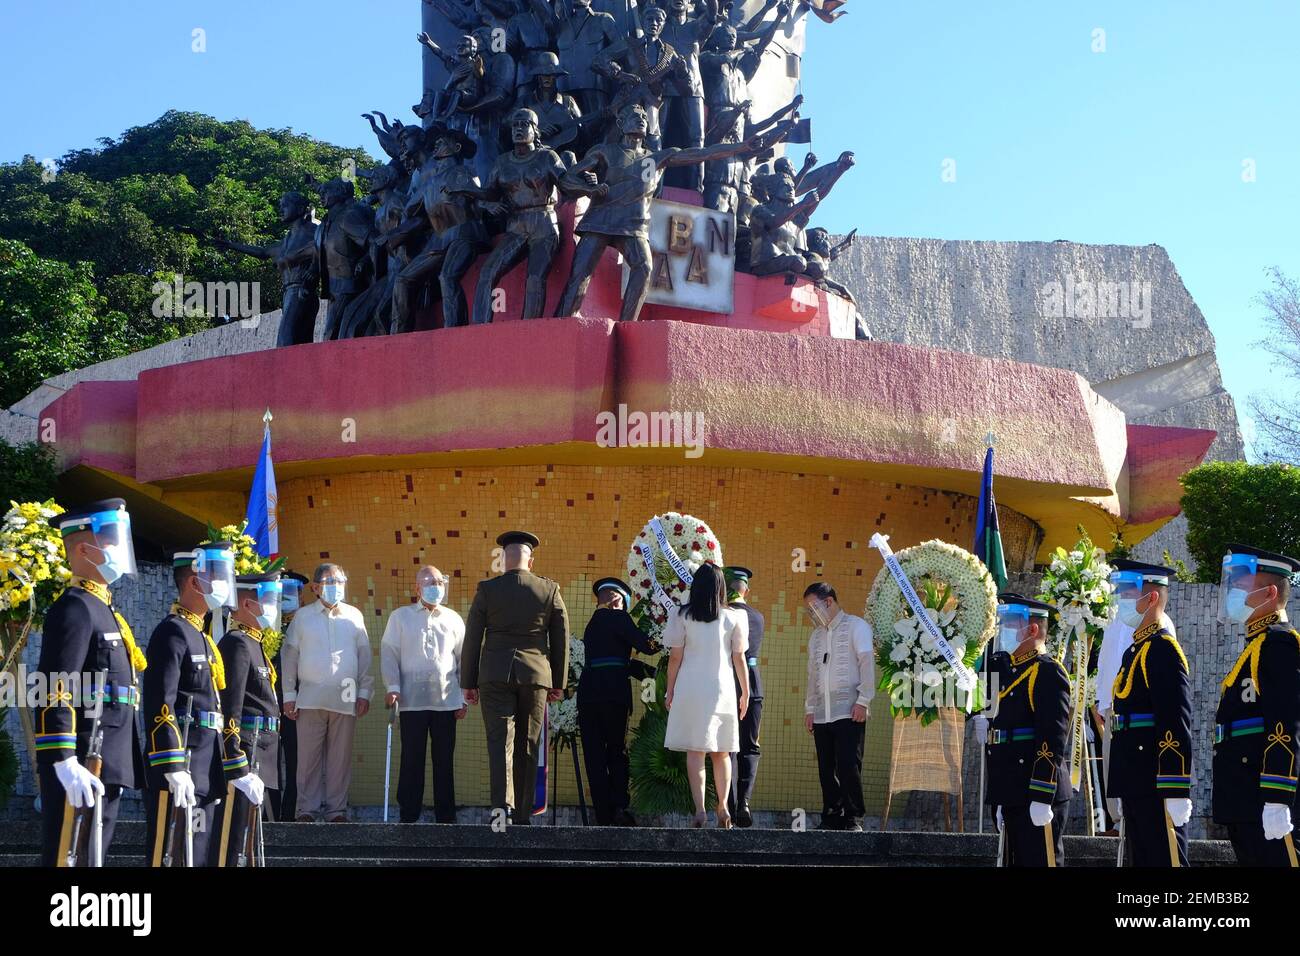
{"x":53,"y":802}
{"x":1253,"y":850}
{"x":203,"y":815}
{"x":284,"y":801}
{"x":1147,"y":836}
{"x":1027,"y":844}
{"x":744,"y":764}
{"x":839,"y":765}
{"x":438,"y":729}
{"x":603,"y":725}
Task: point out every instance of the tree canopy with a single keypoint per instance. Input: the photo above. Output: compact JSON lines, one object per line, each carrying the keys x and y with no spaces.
{"x":87,"y":241}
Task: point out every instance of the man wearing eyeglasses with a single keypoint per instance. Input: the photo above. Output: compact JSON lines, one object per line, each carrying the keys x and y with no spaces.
{"x":327,"y":686}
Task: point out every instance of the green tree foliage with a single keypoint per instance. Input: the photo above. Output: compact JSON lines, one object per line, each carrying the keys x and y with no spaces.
{"x":1232,"y":502}
{"x":117,"y":218}
{"x":27,"y":473}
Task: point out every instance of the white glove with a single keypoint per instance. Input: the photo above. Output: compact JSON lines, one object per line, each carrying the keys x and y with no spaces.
{"x":981,"y":726}
{"x":79,"y":784}
{"x":1040,"y":813}
{"x":1277,"y":821}
{"x":1000,"y":824}
{"x":1179,"y":810}
{"x":251,"y":786}
{"x":1116,"y":808}
{"x":181,"y":785}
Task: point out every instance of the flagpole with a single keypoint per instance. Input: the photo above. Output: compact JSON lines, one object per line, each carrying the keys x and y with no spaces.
{"x":989,"y":440}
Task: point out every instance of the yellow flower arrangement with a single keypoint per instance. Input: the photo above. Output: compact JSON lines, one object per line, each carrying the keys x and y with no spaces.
{"x":32,"y":560}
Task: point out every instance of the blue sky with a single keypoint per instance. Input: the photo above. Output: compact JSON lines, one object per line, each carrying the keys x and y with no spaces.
{"x":1141,"y":143}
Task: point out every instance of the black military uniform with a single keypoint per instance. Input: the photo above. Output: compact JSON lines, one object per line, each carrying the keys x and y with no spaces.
{"x":284,"y":801}
{"x":252,"y":708}
{"x":744,"y":763}
{"x":182,"y":664}
{"x":1027,"y":748}
{"x":82,"y":634}
{"x":605,"y":701}
{"x":1257,"y":725}
{"x":1151,"y":737}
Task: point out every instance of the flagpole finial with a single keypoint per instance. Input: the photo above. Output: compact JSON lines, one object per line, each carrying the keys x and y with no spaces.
{"x":990,"y":439}
{"x":266,"y":418}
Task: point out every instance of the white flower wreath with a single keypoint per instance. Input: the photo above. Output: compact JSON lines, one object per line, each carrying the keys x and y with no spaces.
{"x":901,"y":643}
{"x":692,"y":544}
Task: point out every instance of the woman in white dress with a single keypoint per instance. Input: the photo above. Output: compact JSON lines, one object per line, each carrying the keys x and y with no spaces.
{"x":707,"y":642}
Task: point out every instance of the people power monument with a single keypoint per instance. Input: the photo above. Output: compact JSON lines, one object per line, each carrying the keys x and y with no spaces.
{"x":593,"y":158}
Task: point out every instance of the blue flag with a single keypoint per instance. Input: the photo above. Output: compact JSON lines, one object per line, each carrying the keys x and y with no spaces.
{"x":988,"y":535}
{"x":262,"y":500}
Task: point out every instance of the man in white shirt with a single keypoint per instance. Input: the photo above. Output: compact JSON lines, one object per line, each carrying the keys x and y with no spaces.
{"x":841,"y":683}
{"x":327,"y":686}
{"x":419,"y":658}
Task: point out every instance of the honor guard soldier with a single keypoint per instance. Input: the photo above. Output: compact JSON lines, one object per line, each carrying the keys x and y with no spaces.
{"x":84,"y":635}
{"x":605,"y":698}
{"x":252,"y":712}
{"x":744,"y":764}
{"x":1026,"y":748}
{"x":1257,"y":723}
{"x":293,"y":590}
{"x":182,"y":711}
{"x":1151,"y":723}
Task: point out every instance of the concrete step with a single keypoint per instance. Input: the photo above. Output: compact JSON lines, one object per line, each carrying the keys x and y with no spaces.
{"x":378,"y":844}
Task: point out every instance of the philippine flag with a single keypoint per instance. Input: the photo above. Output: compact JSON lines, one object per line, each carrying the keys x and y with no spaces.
{"x":261,"y":517}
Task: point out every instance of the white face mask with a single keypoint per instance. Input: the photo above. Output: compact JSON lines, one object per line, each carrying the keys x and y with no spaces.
{"x":1129,"y":615}
{"x":116,"y":563}
{"x":1236,"y":607}
{"x":218,"y":596}
{"x":269,"y":616}
{"x":1008,"y":639}
{"x":331,"y":593}
{"x":289,"y":602}
{"x":433,"y":593}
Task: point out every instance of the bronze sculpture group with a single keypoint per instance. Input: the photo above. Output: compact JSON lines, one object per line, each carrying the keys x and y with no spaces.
{"x":546,"y":101}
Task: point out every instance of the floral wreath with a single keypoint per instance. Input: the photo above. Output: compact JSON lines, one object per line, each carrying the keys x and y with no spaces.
{"x":958,"y":594}
{"x":663,"y":559}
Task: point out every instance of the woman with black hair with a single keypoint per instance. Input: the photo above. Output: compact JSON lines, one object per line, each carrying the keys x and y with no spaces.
{"x":707,"y":641}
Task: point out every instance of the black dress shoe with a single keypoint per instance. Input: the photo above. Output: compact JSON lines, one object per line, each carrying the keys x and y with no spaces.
{"x":852,"y":824}
{"x":831,"y":821}
{"x":742,"y":816}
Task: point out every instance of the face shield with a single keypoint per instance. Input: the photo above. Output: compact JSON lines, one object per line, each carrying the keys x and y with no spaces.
{"x":214,"y":566}
{"x":112,"y":532}
{"x":1013,"y":619}
{"x":290,"y":595}
{"x":268,"y":594}
{"x":819,"y":611}
{"x":1236,"y":583}
{"x":1128,"y":591}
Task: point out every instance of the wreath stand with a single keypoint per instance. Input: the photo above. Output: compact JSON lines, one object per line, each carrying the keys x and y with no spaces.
{"x":577,"y":774}
{"x":928,"y":759}
{"x":11,"y":656}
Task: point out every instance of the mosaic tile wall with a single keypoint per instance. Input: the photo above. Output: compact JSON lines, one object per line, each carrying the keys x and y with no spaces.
{"x":381,"y":526}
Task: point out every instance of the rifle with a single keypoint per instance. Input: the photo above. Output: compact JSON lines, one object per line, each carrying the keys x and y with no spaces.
{"x":77,"y":837}
{"x":248,"y":853}
{"x":172,"y":851}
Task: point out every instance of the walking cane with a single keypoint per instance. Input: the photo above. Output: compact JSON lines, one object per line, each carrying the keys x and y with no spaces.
{"x":1002,"y":847}
{"x":1119,"y":862}
{"x":388,"y":756}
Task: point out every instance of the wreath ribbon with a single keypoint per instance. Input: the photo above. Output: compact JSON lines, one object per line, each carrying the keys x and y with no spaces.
{"x":678,"y":565}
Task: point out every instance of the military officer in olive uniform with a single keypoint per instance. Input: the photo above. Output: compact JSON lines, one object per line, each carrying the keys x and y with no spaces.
{"x":1026,"y":739}
{"x":182,"y":709}
{"x":252,"y":711}
{"x":515,"y":659}
{"x":1151,"y":734}
{"x":744,"y":764}
{"x":1257,"y":723}
{"x":605,"y":698}
{"x":82,"y":634}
